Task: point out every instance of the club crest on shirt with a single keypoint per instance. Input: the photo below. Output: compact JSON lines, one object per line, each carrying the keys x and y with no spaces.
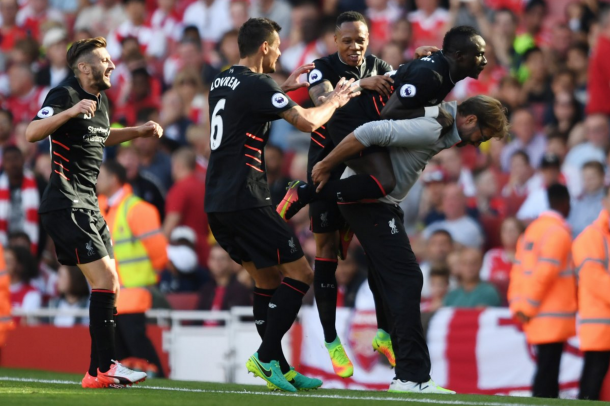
{"x":315,"y":76}
{"x":407,"y":90}
{"x":279,"y":100}
{"x":45,"y":112}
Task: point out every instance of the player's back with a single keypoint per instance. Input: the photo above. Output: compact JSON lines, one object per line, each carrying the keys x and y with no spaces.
{"x":424,"y":82}
{"x":242,"y":105}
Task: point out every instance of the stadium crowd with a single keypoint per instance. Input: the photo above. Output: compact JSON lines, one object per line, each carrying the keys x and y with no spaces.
{"x":547,"y":63}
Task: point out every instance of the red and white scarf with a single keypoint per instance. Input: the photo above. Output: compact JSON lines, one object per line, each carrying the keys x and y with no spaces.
{"x":30,"y":201}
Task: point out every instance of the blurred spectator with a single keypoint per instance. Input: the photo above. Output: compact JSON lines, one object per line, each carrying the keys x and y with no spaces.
{"x":463,"y":229}
{"x":305,"y":45}
{"x":240,"y":12}
{"x":349,"y":279}
{"x":509,"y":93}
{"x":11,"y":32}
{"x":381,"y":14}
{"x":537,"y":201}
{"x":498,"y":262}
{"x":73,"y":294}
{"x":487,"y":201}
{"x":276,"y":10}
{"x":187,"y":56}
{"x":534,"y":76}
{"x":599,"y":69}
{"x":139,"y":94}
{"x":211,"y":17}
{"x":6,"y":130}
{"x":223,"y":291}
{"x":166,"y":19}
{"x":532,"y":34}
{"x":472,"y":13}
{"x":173,"y":120}
{"x":439,"y":287}
{"x":100,"y":19}
{"x":19,"y":197}
{"x":55,"y":43}
{"x":402,"y":35}
{"x":587,"y":206}
{"x":274,"y":161}
{"x":185,"y":200}
{"x":522,"y":181}
{"x":438,"y":247}
{"x":504,"y":31}
{"x":154,"y":161}
{"x":25,"y":97}
{"x":578,"y":62}
{"x":198,"y":136}
{"x":21,"y":267}
{"x":183,"y":273}
{"x":473,"y":292}
{"x":526,"y":138}
{"x":428,"y":23}
{"x":34,"y":14}
{"x":152,"y":42}
{"x":189,"y":86}
{"x":565,"y":114}
{"x":455,"y":171}
{"x":46,"y":281}
{"x":392,"y":54}
{"x":228,"y":50}
{"x":144,"y":185}
{"x":6,"y":322}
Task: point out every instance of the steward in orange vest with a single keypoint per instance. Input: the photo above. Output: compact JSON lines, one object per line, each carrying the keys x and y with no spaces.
{"x":140,"y":251}
{"x":6,"y":322}
{"x":542,"y":290}
{"x":591,"y":259}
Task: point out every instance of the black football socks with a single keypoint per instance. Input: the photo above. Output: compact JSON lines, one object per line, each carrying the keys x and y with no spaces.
{"x":352,"y":189}
{"x":283,"y":309}
{"x":260,"y":305}
{"x":325,"y":290}
{"x":102,"y":326}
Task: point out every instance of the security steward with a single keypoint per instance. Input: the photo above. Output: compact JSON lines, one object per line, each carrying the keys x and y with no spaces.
{"x":140,"y":250}
{"x":542,"y":290}
{"x":6,"y":321}
{"x":591,"y":259}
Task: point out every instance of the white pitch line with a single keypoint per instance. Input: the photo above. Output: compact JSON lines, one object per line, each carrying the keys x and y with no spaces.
{"x":309,"y":394}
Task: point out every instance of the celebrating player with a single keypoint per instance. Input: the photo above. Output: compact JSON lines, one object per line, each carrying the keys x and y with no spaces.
{"x":380,"y":226}
{"x":75,"y":114}
{"x":243,"y":100}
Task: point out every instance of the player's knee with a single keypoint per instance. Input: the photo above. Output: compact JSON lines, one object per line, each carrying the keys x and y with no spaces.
{"x":268,"y":280}
{"x":326,"y":247}
{"x":307,"y":276}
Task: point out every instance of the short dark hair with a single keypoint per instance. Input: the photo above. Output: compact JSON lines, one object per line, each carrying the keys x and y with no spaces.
{"x":522,"y":154}
{"x":253,"y":33}
{"x":349,"y":17}
{"x":117,"y":170}
{"x":596,"y":166}
{"x":458,"y":38}
{"x":11,"y":148}
{"x":441,"y":231}
{"x":532,"y":4}
{"x":8,"y":113}
{"x":83,"y":47}
{"x":440,"y":271}
{"x":26,"y":262}
{"x":558,"y":195}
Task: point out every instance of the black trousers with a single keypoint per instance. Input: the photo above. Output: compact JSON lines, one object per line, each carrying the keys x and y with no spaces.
{"x":379,"y":228}
{"x":546,"y":379}
{"x":132,"y":341}
{"x":593,"y":374}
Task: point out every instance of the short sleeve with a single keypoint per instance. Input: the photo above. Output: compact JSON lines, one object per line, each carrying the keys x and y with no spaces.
{"x":270,"y":99}
{"x":418,"y":88}
{"x":57,"y":101}
{"x":320,"y":73}
{"x":383,"y":67}
{"x":176,"y":200}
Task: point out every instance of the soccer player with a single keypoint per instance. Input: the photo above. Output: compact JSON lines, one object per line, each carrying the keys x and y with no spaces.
{"x":379,"y":226}
{"x":419,"y":87}
{"x":243,"y":100}
{"x":75,"y":116}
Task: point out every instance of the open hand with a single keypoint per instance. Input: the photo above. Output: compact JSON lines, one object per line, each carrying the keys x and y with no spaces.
{"x":320,"y":175}
{"x":343,"y":93}
{"x":294,"y":80}
{"x":425,"y":50}
{"x":84,"y":106}
{"x":150,"y":129}
{"x":380,"y":84}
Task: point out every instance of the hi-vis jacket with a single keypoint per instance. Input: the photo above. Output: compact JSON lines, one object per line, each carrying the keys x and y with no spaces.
{"x":542,"y":281}
{"x":6,"y":321}
{"x":591,"y":257}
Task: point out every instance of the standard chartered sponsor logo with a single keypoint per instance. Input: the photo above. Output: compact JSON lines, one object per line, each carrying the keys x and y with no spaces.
{"x":97,"y":134}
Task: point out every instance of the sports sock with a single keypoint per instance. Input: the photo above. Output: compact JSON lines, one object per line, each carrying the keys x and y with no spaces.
{"x":102,"y":326}
{"x":283,"y":310}
{"x":325,"y":290}
{"x":93,"y":363}
{"x":352,"y":189}
{"x":260,"y":305}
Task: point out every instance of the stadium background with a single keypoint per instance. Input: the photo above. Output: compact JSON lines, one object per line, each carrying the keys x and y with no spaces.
{"x":546,"y":65}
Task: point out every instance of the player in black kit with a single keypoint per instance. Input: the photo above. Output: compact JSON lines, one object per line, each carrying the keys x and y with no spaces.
{"x":75,"y":114}
{"x":243,"y":101}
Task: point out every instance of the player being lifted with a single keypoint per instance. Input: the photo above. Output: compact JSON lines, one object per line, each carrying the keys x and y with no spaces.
{"x":243,"y":101}
{"x":75,"y":116}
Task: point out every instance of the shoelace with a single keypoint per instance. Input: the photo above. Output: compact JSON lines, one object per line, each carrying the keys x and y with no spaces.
{"x":341,"y":357}
{"x":120,"y":369}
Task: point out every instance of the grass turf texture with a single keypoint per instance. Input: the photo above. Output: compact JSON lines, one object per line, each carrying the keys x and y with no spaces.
{"x":22,"y":387}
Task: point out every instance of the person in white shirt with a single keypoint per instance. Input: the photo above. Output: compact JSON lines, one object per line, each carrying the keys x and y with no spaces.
{"x":211,"y":17}
{"x":537,"y":202}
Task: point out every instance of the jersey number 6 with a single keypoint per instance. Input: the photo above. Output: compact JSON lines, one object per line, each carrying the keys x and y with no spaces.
{"x":216,"y":125}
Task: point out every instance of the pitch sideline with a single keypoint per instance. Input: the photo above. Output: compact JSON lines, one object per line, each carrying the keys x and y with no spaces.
{"x":309,"y":394}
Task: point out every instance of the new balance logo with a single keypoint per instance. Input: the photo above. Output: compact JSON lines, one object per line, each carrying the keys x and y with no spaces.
{"x":420,"y":388}
{"x":87,"y":116}
{"x":89,"y":247}
{"x":272,"y":306}
{"x":339,"y":197}
{"x":259,"y":322}
{"x":392,"y":224}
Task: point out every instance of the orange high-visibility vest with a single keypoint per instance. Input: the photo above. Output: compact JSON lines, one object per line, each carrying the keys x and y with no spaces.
{"x":591,"y":257}
{"x":6,"y":321}
{"x":542,"y":280}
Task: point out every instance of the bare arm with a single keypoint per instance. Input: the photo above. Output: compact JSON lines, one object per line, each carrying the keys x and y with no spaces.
{"x":171,"y":221}
{"x":395,"y":110}
{"x":40,"y":129}
{"x":347,"y":148}
{"x":307,"y":120}
{"x":120,"y":135}
{"x":319,"y":92}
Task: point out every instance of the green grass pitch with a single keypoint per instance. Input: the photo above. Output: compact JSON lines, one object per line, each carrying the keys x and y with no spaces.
{"x":36,"y":388}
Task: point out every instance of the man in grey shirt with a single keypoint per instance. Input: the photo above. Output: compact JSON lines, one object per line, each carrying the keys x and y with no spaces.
{"x":379,"y":225}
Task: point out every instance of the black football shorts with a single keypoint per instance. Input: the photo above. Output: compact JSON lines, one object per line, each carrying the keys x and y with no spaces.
{"x":257,"y":235}
{"x":80,"y":235}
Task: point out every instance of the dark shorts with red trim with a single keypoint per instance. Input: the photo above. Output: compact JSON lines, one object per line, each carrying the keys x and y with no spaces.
{"x":257,"y":235}
{"x":80,"y":235}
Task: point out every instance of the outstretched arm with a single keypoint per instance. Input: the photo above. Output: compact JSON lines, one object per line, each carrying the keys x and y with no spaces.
{"x":120,"y":135}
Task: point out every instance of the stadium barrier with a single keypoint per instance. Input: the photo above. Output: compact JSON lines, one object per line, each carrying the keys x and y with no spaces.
{"x":472,"y":351}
